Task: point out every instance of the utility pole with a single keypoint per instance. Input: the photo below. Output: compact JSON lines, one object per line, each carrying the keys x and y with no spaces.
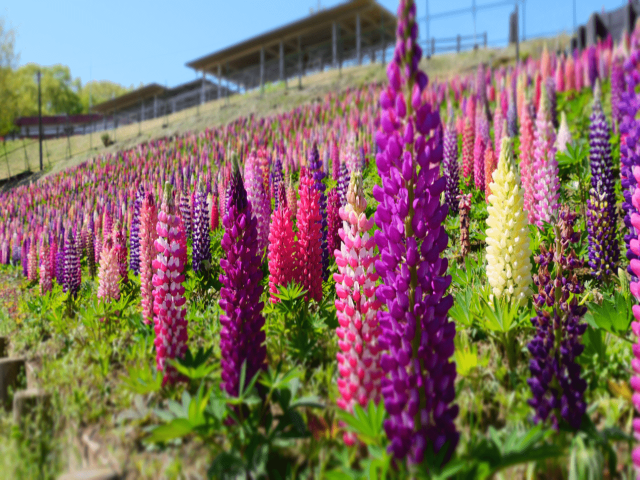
{"x":40,"y":117}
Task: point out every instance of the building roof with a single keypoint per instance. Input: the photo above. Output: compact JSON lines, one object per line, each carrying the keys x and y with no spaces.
{"x":312,"y":31}
{"x":57,"y":119}
{"x":130,"y":99}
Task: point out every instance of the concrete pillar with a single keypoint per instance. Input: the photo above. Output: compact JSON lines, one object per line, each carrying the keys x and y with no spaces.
{"x":12,"y":376}
{"x":202,"y":92}
{"x":4,"y":341}
{"x":334,"y":43}
{"x":299,"y":63}
{"x":219,"y":81}
{"x":281,"y":61}
{"x":155,"y":109}
{"x":262,"y":69}
{"x":358,"y":40}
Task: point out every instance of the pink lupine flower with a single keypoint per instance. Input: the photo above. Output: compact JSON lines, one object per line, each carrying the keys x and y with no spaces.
{"x":526,"y":161}
{"x":357,"y":306}
{"x":309,"y":258}
{"x":634,"y":265}
{"x":467,"y":150}
{"x":545,"y":166}
{"x":109,"y":273}
{"x":282,"y":248}
{"x":32,"y":259}
{"x":292,"y":199}
{"x":148,"y":235}
{"x":170,"y":324}
{"x":120,"y":251}
{"x":46,"y":277}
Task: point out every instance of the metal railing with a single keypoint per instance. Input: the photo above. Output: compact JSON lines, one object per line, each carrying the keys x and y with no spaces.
{"x":459,"y":43}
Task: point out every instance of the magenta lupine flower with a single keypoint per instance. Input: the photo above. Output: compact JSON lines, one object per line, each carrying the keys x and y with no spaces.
{"x":46,"y":276}
{"x":241,"y":337}
{"x":282,"y":250}
{"x":120,"y":251}
{"x":170,"y":324}
{"x":309,"y":254}
{"x":417,"y":337}
{"x":333,"y":220}
{"x":32,"y":261}
{"x":109,"y":273}
{"x":357,"y":306}
{"x":545,"y":166}
{"x":148,"y":235}
{"x":634,"y":246}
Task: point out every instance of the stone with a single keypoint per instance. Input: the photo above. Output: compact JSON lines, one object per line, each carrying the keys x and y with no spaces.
{"x":12,"y":378}
{"x":4,"y":346}
{"x":91,"y":474}
{"x":25,"y":403}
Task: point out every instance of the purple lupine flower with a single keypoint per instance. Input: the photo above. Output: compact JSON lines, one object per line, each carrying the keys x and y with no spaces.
{"x":185,"y":212}
{"x":450,"y":165}
{"x":201,"y":234}
{"x":241,"y":338}
{"x":417,"y":338}
{"x":343,"y":183}
{"x":556,"y":385}
{"x":315,"y":169}
{"x":592,"y":65}
{"x":602,"y":218}
{"x":512,"y":118}
{"x":134,"y":238}
{"x":23,"y":256}
{"x":617,"y":88}
{"x":259,"y":199}
{"x":60,"y":264}
{"x":72,"y":273}
{"x":277,"y":180}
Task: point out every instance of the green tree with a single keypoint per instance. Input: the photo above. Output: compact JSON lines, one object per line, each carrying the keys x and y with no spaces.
{"x":8,"y":61}
{"x":100,"y":91}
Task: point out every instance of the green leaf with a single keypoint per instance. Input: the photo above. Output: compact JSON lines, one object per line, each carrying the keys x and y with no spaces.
{"x":178,"y":427}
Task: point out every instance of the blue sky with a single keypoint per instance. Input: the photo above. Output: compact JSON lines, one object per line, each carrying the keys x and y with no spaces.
{"x":133,"y":42}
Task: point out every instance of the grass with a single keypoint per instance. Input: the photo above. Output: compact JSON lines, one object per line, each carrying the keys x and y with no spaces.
{"x":22,"y":155}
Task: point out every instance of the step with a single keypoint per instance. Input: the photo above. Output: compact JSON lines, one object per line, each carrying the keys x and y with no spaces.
{"x":91,"y":474}
{"x":26,"y":402}
{"x":4,"y":347}
{"x":12,"y":377}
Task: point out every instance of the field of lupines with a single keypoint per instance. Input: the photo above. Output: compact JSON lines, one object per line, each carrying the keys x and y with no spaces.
{"x":421,"y":279}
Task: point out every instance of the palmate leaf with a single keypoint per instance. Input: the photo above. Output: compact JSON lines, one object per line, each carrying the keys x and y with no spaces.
{"x":614,"y":315}
{"x":195,"y":367}
{"x":142,"y":379}
{"x":367,"y":424}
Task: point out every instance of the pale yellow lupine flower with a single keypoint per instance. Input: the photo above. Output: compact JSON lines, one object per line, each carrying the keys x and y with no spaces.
{"x":508,"y":251}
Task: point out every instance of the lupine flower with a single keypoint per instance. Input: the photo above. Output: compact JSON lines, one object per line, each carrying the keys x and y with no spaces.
{"x":508,"y":252}
{"x":416,"y":363}
{"x":282,"y":250}
{"x":465,"y":207}
{"x":556,"y":385}
{"x":617,"y":88}
{"x":292,"y":199}
{"x":241,"y":337}
{"x":357,"y":306}
{"x":32,"y":259}
{"x":467,"y":150}
{"x":498,"y":125}
{"x":333,"y":220}
{"x":185,"y":212}
{"x":600,"y":149}
{"x":550,"y":83}
{"x":170,"y":325}
{"x":276,"y":179}
{"x":260,"y":205}
{"x":60,"y":264}
{"x":72,"y":273}
{"x":215,"y":214}
{"x":512,"y":118}
{"x":24,"y":257}
{"x":545,"y":166}
{"x":335,"y":161}
{"x":343,"y":184}
{"x":91,"y":250}
{"x":564,"y":135}
{"x":526,"y":162}
{"x":46,"y":283}
{"x":450,"y":166}
{"x":201,"y":234}
{"x":109,"y":273}
{"x":148,"y":235}
{"x":489,"y":167}
{"x":309,"y":255}
{"x":315,"y":169}
{"x":134,"y":238}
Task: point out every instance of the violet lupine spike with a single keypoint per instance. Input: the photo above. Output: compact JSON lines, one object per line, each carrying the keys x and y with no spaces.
{"x":134,"y":237}
{"x":600,"y":149}
{"x":257,"y":196}
{"x":60,"y":261}
{"x":357,"y":306}
{"x":201,"y":234}
{"x":185,"y":212}
{"x":512,"y":118}
{"x":343,"y":183}
{"x":277,"y":180}
{"x":556,"y":385}
{"x":148,"y":235}
{"x":450,"y":166}
{"x":617,"y":88}
{"x":315,"y":169}
{"x":71,"y":266}
{"x":170,"y":325}
{"x":241,"y":337}
{"x":418,"y":389}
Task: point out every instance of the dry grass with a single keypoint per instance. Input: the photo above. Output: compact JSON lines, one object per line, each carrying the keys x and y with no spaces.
{"x":23,"y":155}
